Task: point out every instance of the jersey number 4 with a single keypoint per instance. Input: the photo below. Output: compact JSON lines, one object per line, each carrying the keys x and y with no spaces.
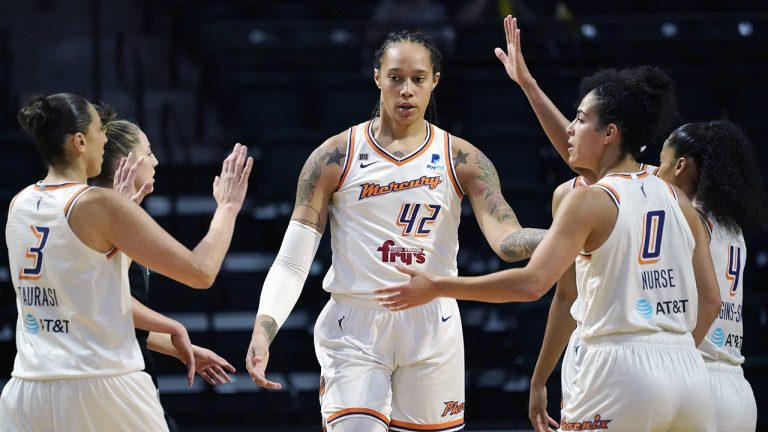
{"x":35,"y":253}
{"x":415,"y":221}
{"x":733,"y":271}
{"x":653,"y":230}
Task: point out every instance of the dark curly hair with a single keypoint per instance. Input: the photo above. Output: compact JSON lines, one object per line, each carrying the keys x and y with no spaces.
{"x":639,"y":101}
{"x":434,"y":55}
{"x":729,"y":188}
{"x":50,"y":119}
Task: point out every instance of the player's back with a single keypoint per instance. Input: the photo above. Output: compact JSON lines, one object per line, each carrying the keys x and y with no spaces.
{"x":73,"y":302}
{"x":641,"y":278}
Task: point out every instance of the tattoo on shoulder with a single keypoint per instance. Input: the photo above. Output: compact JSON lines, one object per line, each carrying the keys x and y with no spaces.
{"x":491,"y":189}
{"x":460,"y":158}
{"x":270,"y":326}
{"x":310,"y":174}
{"x":335,"y":157}
{"x":520,"y":244}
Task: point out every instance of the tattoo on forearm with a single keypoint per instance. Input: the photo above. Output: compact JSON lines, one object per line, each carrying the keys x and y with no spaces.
{"x":335,"y":157}
{"x":491,"y":189}
{"x":270,"y":326}
{"x":317,"y":222}
{"x":460,"y":158}
{"x":520,"y":244}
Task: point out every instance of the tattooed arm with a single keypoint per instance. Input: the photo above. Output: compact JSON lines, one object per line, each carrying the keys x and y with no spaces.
{"x":318,"y":180}
{"x":480,"y":181}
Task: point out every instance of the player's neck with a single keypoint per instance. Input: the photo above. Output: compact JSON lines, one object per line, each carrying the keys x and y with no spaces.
{"x":57,"y":174}
{"x":386,"y":131}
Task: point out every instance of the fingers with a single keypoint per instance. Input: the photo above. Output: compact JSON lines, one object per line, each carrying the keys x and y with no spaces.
{"x":403,"y":269}
{"x":552,"y":422}
{"x":145,"y":190}
{"x":191,"y":368}
{"x":501,"y":55}
{"x":508,"y":29}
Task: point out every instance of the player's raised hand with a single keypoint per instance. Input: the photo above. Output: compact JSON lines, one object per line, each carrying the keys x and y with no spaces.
{"x":125,"y":176}
{"x":512,"y":59}
{"x":230,"y":186}
{"x":421,"y":289}
{"x":256,"y":362}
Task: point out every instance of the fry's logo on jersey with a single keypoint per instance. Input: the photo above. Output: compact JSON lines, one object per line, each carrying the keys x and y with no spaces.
{"x":368,"y":190}
{"x":392,"y":253}
{"x":597,"y":424}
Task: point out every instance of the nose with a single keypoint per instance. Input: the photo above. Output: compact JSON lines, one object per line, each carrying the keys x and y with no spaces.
{"x":569,"y":129}
{"x":406,"y":90}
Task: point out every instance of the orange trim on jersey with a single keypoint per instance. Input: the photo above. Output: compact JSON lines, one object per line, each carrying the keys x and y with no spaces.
{"x":350,"y":152}
{"x":112,"y":252}
{"x":427,"y":427}
{"x":353,"y":411}
{"x":610,"y":190}
{"x":672,"y":190}
{"x":629,"y":176}
{"x":74,"y":197}
{"x":586,"y":256}
{"x":13,"y":200}
{"x":375,"y":146}
{"x":451,"y":172}
{"x":656,"y":170}
{"x":56,"y":186}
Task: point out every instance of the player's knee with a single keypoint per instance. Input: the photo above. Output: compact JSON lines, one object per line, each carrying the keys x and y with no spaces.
{"x":356,"y":424}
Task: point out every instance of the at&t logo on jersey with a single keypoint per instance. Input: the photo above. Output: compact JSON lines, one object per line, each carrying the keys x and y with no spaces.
{"x":393,"y":254}
{"x":30,"y":324}
{"x":718,"y":337}
{"x":34,"y":325}
{"x":664,"y":307}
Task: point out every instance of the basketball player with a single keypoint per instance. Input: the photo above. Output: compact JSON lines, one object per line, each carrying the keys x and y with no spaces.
{"x":714,"y":164}
{"x":78,"y":365}
{"x":392,"y":188}
{"x":640,"y":253}
{"x":129,"y":167}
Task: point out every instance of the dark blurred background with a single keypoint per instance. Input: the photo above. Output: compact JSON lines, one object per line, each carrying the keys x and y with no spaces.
{"x":281,"y":76}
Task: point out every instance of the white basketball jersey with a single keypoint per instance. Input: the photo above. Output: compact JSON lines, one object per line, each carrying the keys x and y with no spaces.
{"x":729,"y":255}
{"x":74,"y":302}
{"x":641,"y":279}
{"x":577,"y":182}
{"x":389,"y":211}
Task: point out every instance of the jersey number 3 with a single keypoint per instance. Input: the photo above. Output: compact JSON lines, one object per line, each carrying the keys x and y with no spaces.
{"x":653,"y":230}
{"x":35,"y":253}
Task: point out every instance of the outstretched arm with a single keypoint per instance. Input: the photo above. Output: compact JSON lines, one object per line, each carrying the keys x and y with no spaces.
{"x":560,"y":325}
{"x":587,"y":217}
{"x":103,"y":219}
{"x":552,"y":120}
{"x":497,"y":220}
{"x":318,"y":180}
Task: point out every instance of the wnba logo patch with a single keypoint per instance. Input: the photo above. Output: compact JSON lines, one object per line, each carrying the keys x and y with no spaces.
{"x":31,"y":325}
{"x":644,"y":308}
{"x":718,"y":337}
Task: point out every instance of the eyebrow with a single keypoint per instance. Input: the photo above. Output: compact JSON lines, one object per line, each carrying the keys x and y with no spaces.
{"x":582,"y":112}
{"x":418,"y":71}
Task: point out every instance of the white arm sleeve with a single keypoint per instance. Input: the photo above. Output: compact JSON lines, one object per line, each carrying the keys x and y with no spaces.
{"x":288,"y":273}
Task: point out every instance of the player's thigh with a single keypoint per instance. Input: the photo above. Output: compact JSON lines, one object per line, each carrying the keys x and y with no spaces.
{"x":126,"y":402}
{"x":734,"y":400}
{"x":428,"y":384}
{"x":25,"y":405}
